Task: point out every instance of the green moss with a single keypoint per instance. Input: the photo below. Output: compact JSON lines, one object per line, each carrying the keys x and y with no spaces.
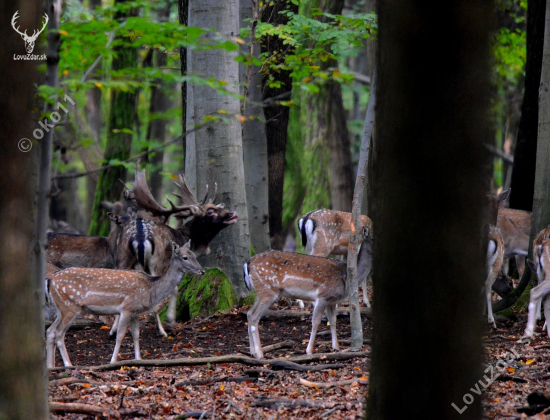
{"x":205,"y":295}
{"x":248,"y":300}
{"x":521,"y":303}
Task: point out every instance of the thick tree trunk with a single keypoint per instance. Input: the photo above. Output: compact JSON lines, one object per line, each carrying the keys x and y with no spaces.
{"x":428,"y":304}
{"x":255,"y":151}
{"x":541,"y":201}
{"x":219,"y":153}
{"x":277,"y":117}
{"x":183,"y":18}
{"x":23,"y":379}
{"x":119,"y":143}
{"x":525,"y":154}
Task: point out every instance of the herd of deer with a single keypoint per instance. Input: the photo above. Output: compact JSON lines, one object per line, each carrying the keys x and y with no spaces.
{"x":138,"y":267}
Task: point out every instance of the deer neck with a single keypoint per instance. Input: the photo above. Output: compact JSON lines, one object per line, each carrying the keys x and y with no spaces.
{"x":200,"y":233}
{"x":163,"y":286}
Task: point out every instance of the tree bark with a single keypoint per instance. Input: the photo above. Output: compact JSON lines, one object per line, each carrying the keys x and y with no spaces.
{"x":23,"y":379}
{"x":277,"y":118}
{"x":427,"y":304}
{"x":119,"y":143}
{"x":219,"y":153}
{"x":255,"y":151}
{"x":160,"y":103}
{"x":360,"y":182}
{"x":183,"y":17}
{"x":525,"y":154}
{"x":541,"y":201}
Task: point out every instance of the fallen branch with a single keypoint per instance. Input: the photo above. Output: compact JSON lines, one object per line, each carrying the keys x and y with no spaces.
{"x":231,"y":358}
{"x":215,"y":380}
{"x":324,"y":385}
{"x":72,"y":380}
{"x":286,"y":365}
{"x":195,"y":415}
{"x":301,"y":314}
{"x":93,"y":410}
{"x":332,"y":410}
{"x":283,"y":402}
{"x":277,"y":346}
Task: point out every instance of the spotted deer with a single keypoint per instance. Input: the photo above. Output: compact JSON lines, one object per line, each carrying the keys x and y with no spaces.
{"x":540,"y":293}
{"x":128,"y":294}
{"x":273,"y":274}
{"x":326,"y":232}
{"x":148,"y":240}
{"x":494,"y":259}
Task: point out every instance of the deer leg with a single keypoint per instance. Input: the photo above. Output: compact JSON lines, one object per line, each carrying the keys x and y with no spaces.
{"x":159,"y":326}
{"x":50,"y":342}
{"x":134,"y":329}
{"x":114,"y":327}
{"x":171,"y":312}
{"x":546,"y":305}
{"x":488,"y":290}
{"x":331,"y":314}
{"x":537,"y":295}
{"x":520,"y":264}
{"x":60,"y":331}
{"x":254,"y":315}
{"x":320,"y":306}
{"x":123,"y":322}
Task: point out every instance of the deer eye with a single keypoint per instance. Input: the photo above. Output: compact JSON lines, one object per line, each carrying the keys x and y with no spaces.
{"x":210,"y":212}
{"x":185,"y":258}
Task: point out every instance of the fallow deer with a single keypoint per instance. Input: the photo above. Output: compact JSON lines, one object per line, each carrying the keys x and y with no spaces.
{"x":273,"y":274}
{"x":515,"y":226}
{"x":326,"y":232}
{"x":494,"y":259}
{"x":128,"y":294}
{"x":540,"y":293}
{"x":205,"y":220}
{"x":66,"y":250}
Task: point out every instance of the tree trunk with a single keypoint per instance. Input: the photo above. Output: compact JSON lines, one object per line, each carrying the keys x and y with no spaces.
{"x":541,"y":201}
{"x":23,"y":378}
{"x":183,"y":18}
{"x":255,"y":152}
{"x":277,"y":117}
{"x":219,"y":153}
{"x":160,"y":102}
{"x":525,"y":154}
{"x":119,"y":143}
{"x":428,"y":304}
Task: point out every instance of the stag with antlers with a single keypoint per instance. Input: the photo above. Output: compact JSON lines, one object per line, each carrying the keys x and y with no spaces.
{"x":149,"y":239}
{"x":29,"y":40}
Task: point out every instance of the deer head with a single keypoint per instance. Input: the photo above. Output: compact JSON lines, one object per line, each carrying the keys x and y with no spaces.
{"x":29,"y":40}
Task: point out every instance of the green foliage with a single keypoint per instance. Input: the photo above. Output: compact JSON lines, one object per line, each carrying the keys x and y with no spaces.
{"x":321,"y":38}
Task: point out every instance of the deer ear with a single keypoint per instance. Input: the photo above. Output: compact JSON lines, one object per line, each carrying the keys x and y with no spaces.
{"x":187,"y":246}
{"x":175,"y":248}
{"x":220,"y":206}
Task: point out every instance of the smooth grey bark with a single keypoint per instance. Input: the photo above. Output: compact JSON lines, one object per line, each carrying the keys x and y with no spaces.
{"x":23,"y":378}
{"x":255,"y":151}
{"x":219,"y":153}
{"x":541,"y":199}
{"x":360,"y":183}
{"x":432,"y":120}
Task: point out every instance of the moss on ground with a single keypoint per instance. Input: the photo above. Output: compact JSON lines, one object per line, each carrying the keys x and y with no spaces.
{"x":521,"y":303}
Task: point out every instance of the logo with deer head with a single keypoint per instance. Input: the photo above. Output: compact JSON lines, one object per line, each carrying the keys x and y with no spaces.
{"x":29,"y":39}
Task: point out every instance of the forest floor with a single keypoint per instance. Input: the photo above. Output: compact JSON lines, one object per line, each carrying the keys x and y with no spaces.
{"x":238,"y":390}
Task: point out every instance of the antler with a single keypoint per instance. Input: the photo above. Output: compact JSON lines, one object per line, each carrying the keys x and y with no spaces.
{"x":185,"y":195}
{"x":24,"y":34}
{"x":36,"y":33}
{"x":13,"y":19}
{"x":144,"y":199}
